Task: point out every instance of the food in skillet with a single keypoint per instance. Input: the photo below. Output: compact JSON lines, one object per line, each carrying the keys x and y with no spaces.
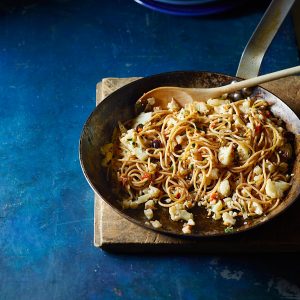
{"x":231,"y":158}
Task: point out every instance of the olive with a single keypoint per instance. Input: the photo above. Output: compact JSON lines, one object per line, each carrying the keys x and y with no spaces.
{"x":246,"y":92}
{"x":289,"y":136}
{"x":189,"y":176}
{"x":286,"y":151}
{"x":178,"y":147}
{"x":140,"y":106}
{"x":139,"y":128}
{"x":235,"y":96}
{"x":156,"y":144}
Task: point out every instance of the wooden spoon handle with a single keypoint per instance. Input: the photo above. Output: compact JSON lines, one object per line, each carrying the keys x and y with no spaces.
{"x":260,"y":79}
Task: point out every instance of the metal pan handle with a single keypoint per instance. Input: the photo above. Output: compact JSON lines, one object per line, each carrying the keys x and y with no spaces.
{"x":262,"y":37}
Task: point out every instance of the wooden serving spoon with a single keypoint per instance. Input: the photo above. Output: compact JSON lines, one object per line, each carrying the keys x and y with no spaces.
{"x":163,"y":95}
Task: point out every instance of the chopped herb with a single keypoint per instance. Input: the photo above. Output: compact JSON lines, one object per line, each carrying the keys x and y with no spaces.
{"x":129,"y":140}
{"x":172,"y":168}
{"x":192,"y":166}
{"x":193,"y":145}
{"x":228,"y":230}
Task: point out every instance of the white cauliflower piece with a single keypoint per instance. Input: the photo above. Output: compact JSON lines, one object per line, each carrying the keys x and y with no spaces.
{"x":149,"y":193}
{"x":243,"y":152}
{"x":257,"y":170}
{"x":173,"y":105}
{"x":245,"y":106}
{"x":226,"y":155}
{"x":186,"y":229}
{"x":202,"y":107}
{"x":171,"y":121}
{"x":141,"y":154}
{"x":258,"y":178}
{"x":217,"y":102}
{"x":156,"y":224}
{"x":216,"y":208}
{"x":149,"y":204}
{"x":181,"y":114}
{"x":275,"y":189}
{"x":128,"y":138}
{"x":228,"y":219}
{"x":224,"y":188}
{"x":142,"y":118}
{"x":148,"y":213}
{"x":257,"y":208}
{"x":130,"y":141}
{"x":178,"y":213}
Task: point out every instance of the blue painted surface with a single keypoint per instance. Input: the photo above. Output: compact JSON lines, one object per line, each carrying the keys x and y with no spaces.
{"x":51,"y":56}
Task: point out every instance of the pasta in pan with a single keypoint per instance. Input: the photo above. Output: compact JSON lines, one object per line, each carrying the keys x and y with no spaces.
{"x":231,"y":158}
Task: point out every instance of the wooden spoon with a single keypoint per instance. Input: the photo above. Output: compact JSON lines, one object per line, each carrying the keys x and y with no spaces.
{"x":163,"y":95}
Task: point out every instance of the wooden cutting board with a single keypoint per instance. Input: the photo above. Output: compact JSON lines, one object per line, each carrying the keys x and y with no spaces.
{"x":114,"y":233}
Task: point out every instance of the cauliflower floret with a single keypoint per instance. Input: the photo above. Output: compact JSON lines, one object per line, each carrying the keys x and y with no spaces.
{"x":217,"y":102}
{"x":257,"y":208}
{"x":228,"y":219}
{"x":243,"y":152}
{"x":148,"y":213}
{"x":224,"y":188}
{"x":202,"y":107}
{"x":178,"y":213}
{"x":275,"y":189}
{"x":141,"y":154}
{"x":257,"y":170}
{"x":142,"y":118}
{"x":130,"y":141}
{"x":216,"y":208}
{"x":245,"y":106}
{"x":171,"y":121}
{"x":186,"y":229}
{"x":149,"y":193}
{"x":156,"y":224}
{"x":149,"y":204}
{"x":226,"y":155}
{"x":173,"y":105}
{"x":181,"y":114}
{"x":258,"y":179}
{"x":128,"y":138}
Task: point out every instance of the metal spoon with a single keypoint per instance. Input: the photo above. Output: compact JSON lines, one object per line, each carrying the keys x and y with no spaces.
{"x":164,"y":95}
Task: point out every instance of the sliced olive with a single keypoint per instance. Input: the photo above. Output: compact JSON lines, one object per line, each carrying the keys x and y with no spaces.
{"x":140,"y":106}
{"x":139,"y":128}
{"x":156,"y":144}
{"x":178,"y":147}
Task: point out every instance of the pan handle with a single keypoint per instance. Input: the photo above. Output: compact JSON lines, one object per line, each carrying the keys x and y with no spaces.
{"x":262,"y":37}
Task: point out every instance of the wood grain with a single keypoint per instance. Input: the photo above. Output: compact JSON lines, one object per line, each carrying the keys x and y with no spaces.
{"x":114,"y":233}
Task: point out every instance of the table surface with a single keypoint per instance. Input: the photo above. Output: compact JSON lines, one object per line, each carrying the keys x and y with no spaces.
{"x":52,"y":54}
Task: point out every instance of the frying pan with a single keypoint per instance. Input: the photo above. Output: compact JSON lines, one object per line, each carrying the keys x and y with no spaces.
{"x":119,"y":106}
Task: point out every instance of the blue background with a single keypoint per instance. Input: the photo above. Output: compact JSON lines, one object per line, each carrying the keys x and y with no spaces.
{"x":52,"y":54}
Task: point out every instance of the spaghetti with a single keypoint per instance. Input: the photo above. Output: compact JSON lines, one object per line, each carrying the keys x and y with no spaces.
{"x":231,"y":158}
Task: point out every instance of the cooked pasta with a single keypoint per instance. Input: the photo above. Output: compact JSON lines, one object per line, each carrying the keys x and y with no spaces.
{"x":231,"y":158}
